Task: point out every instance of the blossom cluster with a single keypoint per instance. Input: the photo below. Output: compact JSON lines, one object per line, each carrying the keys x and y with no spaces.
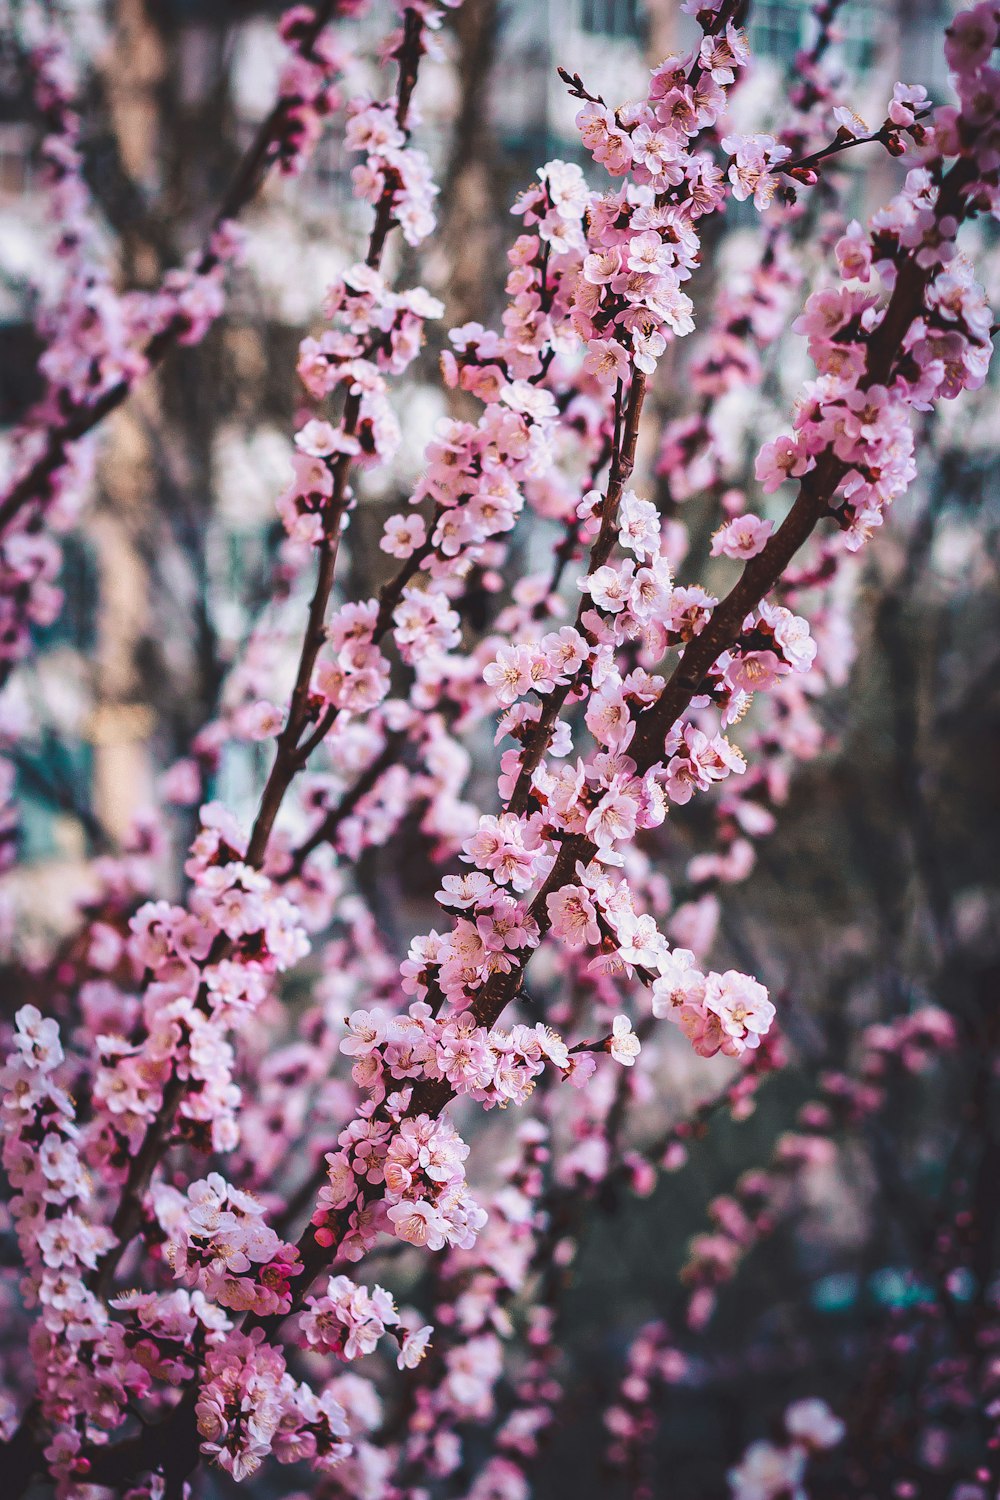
{"x":418,"y":1163}
{"x":761,"y":1196}
{"x":767,"y":1470}
{"x":249,"y":1408}
{"x":61,"y":1245}
{"x":203,"y":968}
{"x":217,"y":1240}
{"x":653,"y":1363}
{"x":348,"y":1320}
{"x":848,"y":417}
{"x":474,"y":1291}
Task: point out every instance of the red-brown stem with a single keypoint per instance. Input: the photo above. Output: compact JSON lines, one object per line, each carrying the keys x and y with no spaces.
{"x":622,"y":464}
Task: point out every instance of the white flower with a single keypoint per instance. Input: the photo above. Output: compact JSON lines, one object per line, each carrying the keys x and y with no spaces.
{"x":414,"y":1347}
{"x":813,"y":1423}
{"x":766,"y":1472}
{"x":625,"y":1045}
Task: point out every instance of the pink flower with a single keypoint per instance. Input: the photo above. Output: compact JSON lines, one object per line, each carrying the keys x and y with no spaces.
{"x":607,"y":144}
{"x":498,"y":846}
{"x":37,"y":1038}
{"x":647,"y":253}
{"x":566,"y":651}
{"x":573,"y":916}
{"x":418,"y":1223}
{"x":755,"y":671}
{"x":908,"y":101}
{"x":415,"y":1344}
{"x":679,"y":983}
{"x":509,"y":675}
{"x":743,"y":537}
{"x":607,"y":361}
{"x":638,"y":525}
{"x":851,"y":125}
{"x":742,"y":1007}
{"x":749,"y":172}
{"x":779,"y":460}
{"x":403,"y":535}
{"x":791,"y":634}
{"x":317,"y":438}
{"x":367,"y":1032}
{"x":507,"y":926}
{"x":463,"y":891}
{"x":853,"y":252}
{"x":261,"y":720}
{"x":609,"y":586}
{"x":971,"y":38}
{"x":614,"y":817}
{"x":602,"y":266}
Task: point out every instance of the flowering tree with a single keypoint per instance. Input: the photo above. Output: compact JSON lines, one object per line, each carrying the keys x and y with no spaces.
{"x":207,"y":1174}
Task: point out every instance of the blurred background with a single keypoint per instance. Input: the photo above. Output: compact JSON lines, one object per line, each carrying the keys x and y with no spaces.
{"x":877,"y":893}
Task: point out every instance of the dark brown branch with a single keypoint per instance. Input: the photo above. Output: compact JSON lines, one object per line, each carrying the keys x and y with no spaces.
{"x":844,"y":141}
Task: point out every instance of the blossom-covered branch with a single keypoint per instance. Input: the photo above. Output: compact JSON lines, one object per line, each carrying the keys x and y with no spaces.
{"x":202,"y":1196}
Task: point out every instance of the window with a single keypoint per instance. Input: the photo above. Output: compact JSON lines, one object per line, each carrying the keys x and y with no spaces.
{"x":780,"y":28}
{"x":611,"y":17}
